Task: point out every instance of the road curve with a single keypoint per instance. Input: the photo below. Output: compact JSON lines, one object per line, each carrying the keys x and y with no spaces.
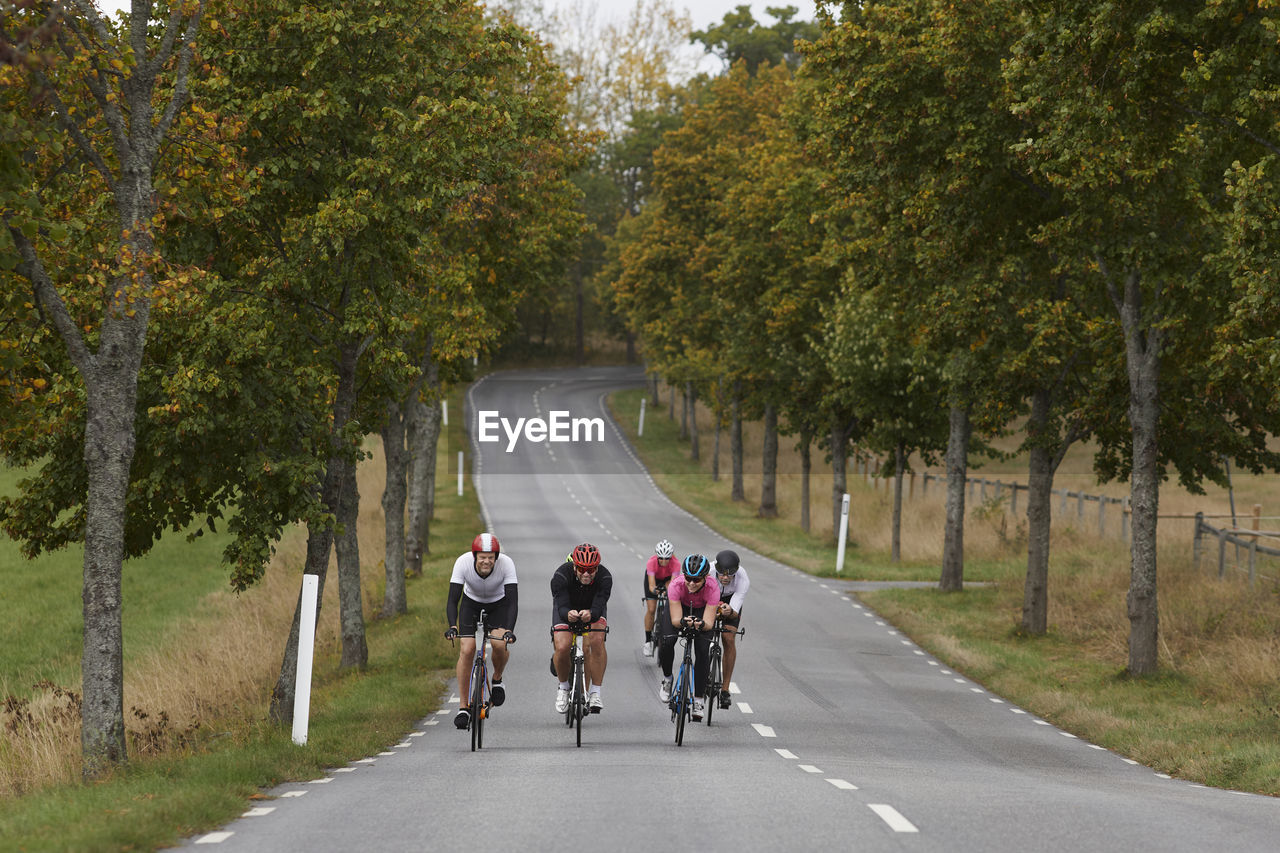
{"x":842,"y":733}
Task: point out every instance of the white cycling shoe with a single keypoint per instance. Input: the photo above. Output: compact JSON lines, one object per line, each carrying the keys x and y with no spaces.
{"x":562,"y":700}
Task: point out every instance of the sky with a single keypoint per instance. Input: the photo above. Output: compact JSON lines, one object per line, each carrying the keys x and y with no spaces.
{"x":707,"y":12}
{"x":703,"y":12}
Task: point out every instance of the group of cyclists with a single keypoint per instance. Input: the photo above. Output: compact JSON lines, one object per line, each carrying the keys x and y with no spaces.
{"x":698,"y":591}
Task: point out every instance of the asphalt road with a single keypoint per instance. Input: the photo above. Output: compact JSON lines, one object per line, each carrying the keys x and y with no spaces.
{"x":842,"y":732}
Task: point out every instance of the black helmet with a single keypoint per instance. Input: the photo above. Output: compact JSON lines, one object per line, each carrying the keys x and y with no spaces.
{"x":695,"y":566}
{"x":726,"y":563}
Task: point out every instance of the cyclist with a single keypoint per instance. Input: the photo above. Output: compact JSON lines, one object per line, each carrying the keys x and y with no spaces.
{"x":483,"y":579}
{"x":657,"y":573}
{"x":693,"y":596}
{"x":580,"y":591}
{"x":734,"y":584}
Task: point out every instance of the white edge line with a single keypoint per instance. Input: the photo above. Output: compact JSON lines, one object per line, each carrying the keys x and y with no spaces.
{"x":893,"y":817}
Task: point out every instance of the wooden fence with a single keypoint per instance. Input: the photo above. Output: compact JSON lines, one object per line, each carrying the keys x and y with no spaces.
{"x":1244,"y":540}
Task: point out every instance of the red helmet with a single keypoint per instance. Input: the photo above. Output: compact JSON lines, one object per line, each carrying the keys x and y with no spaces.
{"x":586,"y":558}
{"x":486,"y":542}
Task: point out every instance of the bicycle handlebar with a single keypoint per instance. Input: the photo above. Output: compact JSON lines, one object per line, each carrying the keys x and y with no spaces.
{"x":578,"y":629}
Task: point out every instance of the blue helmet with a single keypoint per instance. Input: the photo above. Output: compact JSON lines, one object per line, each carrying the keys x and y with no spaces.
{"x":695,"y":566}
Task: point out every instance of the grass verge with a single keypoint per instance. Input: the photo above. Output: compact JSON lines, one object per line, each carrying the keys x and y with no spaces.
{"x":1211,"y":715}
{"x":202,"y":781}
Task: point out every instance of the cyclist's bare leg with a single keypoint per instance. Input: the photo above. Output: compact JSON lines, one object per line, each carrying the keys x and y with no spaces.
{"x":730,"y":645}
{"x":596,"y":657}
{"x":564,"y":661}
{"x":466,"y":653}
{"x":500,"y":653}
{"x":650,"y":609}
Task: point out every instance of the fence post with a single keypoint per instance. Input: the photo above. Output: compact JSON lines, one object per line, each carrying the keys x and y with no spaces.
{"x":1124,"y":521}
{"x":1195,"y":542}
{"x":911,"y":487}
{"x":1014,"y":502}
{"x":1257,"y":517}
{"x":1080,"y":506}
{"x":1222,"y":553}
{"x":1062,"y":507}
{"x":924,"y":485}
{"x":1102,"y":516}
{"x":1253,"y":561}
{"x":971,"y":484}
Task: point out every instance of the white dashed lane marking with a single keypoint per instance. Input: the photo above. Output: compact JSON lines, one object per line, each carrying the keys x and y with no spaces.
{"x":786,"y":753}
{"x":843,"y":785}
{"x":764,"y":731}
{"x":893,"y":817}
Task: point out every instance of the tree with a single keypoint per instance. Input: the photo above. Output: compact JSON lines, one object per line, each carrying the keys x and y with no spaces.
{"x":90,"y":107}
{"x":739,"y":36}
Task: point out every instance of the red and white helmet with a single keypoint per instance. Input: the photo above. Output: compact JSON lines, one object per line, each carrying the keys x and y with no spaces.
{"x":485,"y":542}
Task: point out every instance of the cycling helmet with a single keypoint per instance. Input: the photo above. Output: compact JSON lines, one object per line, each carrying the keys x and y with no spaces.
{"x":664,"y":549}
{"x":586,"y":558}
{"x":726,"y":563}
{"x":485,"y":542}
{"x":695,"y":566}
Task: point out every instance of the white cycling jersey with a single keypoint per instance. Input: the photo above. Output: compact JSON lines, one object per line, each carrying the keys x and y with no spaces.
{"x":735,"y":591}
{"x":484,"y":590}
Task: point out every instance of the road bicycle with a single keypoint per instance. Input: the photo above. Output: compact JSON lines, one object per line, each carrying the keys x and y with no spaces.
{"x":578,"y":680}
{"x":681,"y":701}
{"x":660,"y":617}
{"x":715,"y":680}
{"x":479,"y":701}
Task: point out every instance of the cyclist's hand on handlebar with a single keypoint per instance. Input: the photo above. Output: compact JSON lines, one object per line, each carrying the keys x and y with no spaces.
{"x":452,"y":633}
{"x":508,"y":638}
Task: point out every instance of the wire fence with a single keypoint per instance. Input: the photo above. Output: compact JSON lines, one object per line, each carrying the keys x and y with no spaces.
{"x":1113,"y":514}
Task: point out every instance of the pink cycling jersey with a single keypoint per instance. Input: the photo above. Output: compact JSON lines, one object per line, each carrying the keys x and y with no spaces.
{"x":691,"y":601}
{"x":658,"y":571}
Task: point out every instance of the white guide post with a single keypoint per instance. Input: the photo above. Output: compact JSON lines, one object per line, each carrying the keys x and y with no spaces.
{"x":844,"y":532}
{"x":459,"y":473}
{"x":640,"y":429}
{"x":444,"y":411}
{"x":306,"y":652}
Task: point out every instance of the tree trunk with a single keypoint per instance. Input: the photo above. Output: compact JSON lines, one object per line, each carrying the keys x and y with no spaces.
{"x":108,"y":451}
{"x":424,"y":425}
{"x":653,"y":386}
{"x":769,"y":465}
{"x":1035,"y":598}
{"x":631,"y":347}
{"x":671,"y":401}
{"x":692,"y":408}
{"x":736,"y":492}
{"x":1142,"y":359}
{"x":899,"y":465}
{"x":715,"y":456}
{"x":805,"y":442}
{"x":394,"y":497}
{"x":580,"y":338}
{"x":957,"y":470}
{"x":355,"y":650}
{"x":684,"y":412}
{"x":320,"y":536}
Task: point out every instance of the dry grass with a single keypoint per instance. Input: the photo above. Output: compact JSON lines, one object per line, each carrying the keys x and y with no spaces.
{"x":216,"y":669}
{"x":989,"y":532}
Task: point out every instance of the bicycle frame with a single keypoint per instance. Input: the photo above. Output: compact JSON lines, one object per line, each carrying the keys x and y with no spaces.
{"x":578,"y":679}
{"x":479,"y":699}
{"x":682,"y":688}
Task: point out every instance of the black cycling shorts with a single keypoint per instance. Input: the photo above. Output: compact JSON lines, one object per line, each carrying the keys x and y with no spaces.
{"x":660,"y":583}
{"x":469,"y":615}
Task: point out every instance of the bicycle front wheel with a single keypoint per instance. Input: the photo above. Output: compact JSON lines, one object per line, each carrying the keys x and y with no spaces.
{"x":713,"y":683}
{"x":683,"y":709}
{"x":478,"y":710}
{"x":579,"y":701}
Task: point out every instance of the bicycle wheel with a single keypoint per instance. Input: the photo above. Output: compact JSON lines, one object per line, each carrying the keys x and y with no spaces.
{"x":579,"y":701}
{"x":478,"y":673}
{"x":683,"y":709}
{"x":713,"y":682}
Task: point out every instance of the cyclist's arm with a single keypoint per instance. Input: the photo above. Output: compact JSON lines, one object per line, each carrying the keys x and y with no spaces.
{"x":676,"y":610}
{"x":451,"y":607}
{"x":604,"y":588}
{"x":511,"y":592}
{"x":739,"y":592}
{"x":560,"y":597}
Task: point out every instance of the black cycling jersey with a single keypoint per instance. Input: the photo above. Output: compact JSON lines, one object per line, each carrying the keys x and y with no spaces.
{"x":568,"y":594}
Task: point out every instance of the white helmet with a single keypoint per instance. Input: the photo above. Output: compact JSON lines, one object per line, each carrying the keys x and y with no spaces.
{"x":664,"y":549}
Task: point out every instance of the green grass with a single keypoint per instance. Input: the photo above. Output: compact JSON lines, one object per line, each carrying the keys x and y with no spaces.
{"x":1212,"y":713}
{"x":41,"y":619}
{"x":156,"y":802}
